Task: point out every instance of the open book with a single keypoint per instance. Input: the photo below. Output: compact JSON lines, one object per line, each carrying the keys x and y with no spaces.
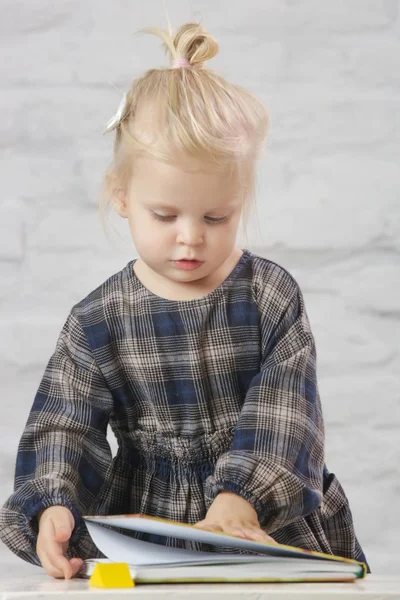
{"x":153,"y":563}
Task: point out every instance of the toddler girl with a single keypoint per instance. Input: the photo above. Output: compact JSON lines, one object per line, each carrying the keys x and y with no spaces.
{"x":198,"y":354}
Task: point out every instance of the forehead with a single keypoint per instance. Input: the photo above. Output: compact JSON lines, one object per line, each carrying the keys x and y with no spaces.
{"x":183,"y":168}
{"x":173,"y":183}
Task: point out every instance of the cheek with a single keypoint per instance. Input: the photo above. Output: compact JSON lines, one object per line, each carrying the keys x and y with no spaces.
{"x":231,"y":226}
{"x":138,"y":219}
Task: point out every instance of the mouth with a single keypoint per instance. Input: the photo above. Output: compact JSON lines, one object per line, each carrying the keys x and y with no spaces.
{"x":185,"y":263}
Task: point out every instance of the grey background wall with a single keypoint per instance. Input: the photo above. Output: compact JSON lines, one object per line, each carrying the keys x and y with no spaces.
{"x":328,"y":199}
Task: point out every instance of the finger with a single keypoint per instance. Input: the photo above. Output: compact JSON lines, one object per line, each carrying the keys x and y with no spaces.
{"x":263,"y":536}
{"x":61,"y":563}
{"x":60,"y":521}
{"x":46,"y":564}
{"x":54,"y":549}
{"x":76,"y":564}
{"x":199,"y":523}
{"x":53,"y":567}
{"x":62,"y":529}
{"x":208,"y":526}
{"x":56,"y":530}
{"x":237,"y":531}
{"x":266,"y":536}
{"x":256,"y":534}
{"x":62,"y":534}
{"x":64,"y":567}
{"x":47,"y":540}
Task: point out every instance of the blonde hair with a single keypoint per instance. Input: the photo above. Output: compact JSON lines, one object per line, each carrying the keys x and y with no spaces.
{"x":193,"y":111}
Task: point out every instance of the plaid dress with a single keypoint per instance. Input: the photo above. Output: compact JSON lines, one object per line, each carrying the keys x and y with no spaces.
{"x":203,"y":395}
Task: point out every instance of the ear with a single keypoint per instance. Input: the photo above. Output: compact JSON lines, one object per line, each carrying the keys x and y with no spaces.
{"x":120,"y":202}
{"x":117,"y":193}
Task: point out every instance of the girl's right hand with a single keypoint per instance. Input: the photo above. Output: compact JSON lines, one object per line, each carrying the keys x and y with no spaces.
{"x":56,"y":525}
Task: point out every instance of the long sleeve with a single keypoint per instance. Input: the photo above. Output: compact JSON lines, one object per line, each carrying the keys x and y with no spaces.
{"x":276,"y":459}
{"x":63,"y":454}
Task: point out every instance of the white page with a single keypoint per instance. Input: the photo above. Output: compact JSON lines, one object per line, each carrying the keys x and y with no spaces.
{"x":121,"y":548}
{"x":195,"y":534}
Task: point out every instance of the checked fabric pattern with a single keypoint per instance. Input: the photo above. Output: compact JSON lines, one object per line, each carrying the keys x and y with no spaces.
{"x":216,"y":393}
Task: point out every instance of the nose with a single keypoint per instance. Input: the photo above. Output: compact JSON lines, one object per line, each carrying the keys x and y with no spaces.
{"x":190,"y":234}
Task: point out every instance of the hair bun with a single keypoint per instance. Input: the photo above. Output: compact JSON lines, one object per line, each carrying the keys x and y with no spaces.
{"x":192,"y":42}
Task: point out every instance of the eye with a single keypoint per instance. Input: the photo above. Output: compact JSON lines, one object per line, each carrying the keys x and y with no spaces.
{"x":216,"y":220}
{"x":170,"y":218}
{"x":160,"y":217}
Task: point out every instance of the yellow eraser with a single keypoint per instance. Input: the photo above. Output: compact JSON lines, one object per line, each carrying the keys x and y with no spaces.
{"x":111,"y":575}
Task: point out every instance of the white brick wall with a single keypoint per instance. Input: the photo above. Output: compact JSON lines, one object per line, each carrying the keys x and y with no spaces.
{"x":328,"y":198}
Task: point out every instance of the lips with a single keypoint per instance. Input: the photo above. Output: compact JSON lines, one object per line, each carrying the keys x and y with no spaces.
{"x":187,"y":265}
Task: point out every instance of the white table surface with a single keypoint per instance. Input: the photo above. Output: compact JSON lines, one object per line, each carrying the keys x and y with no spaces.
{"x":28,"y":586}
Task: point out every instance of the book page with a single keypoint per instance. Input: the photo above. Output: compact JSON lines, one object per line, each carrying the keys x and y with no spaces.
{"x":188,"y":532}
{"x":121,"y":548}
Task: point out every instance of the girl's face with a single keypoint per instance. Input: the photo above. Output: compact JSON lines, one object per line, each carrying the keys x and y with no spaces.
{"x":177,"y":212}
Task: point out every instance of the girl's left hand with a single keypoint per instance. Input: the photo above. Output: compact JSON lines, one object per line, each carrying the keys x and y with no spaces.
{"x":230,"y":513}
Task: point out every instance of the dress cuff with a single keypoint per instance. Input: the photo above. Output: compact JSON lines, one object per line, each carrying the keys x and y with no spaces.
{"x":32,"y":524}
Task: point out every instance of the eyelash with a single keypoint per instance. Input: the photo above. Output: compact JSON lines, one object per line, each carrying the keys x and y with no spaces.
{"x":168,"y":219}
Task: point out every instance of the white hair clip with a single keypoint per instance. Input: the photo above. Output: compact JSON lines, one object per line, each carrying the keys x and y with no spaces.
{"x":116,"y":119}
